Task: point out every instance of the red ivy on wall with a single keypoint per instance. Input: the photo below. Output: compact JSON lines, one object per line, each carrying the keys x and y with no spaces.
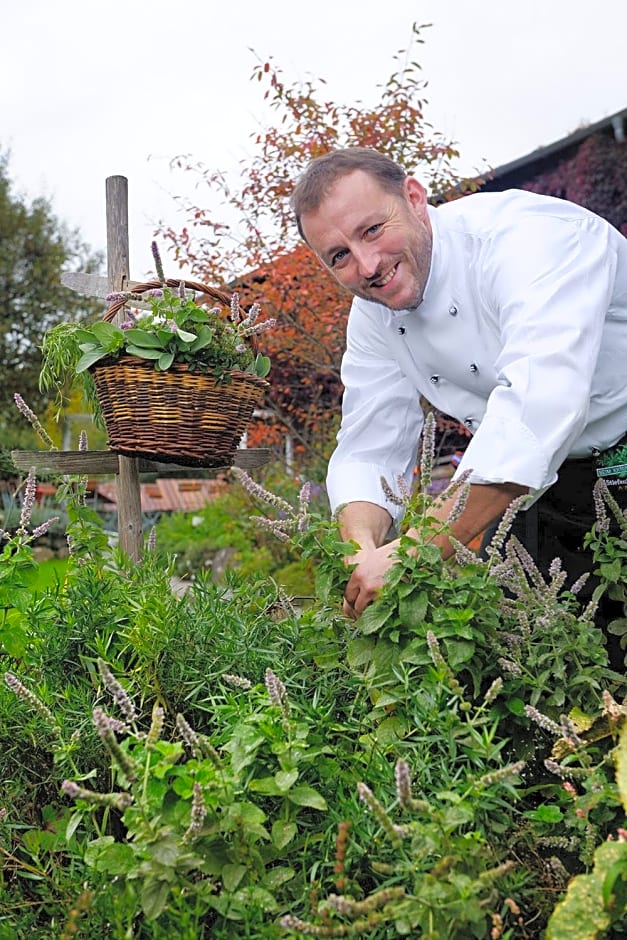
{"x":595,"y":177}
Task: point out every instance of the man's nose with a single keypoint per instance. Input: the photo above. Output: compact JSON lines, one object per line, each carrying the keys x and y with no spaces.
{"x":367,"y":261}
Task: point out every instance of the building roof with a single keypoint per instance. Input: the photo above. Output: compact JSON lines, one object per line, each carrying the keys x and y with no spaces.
{"x":538,"y":161}
{"x":168,"y":495}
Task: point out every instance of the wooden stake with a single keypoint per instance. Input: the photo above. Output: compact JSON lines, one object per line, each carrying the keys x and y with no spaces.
{"x":118,"y":271}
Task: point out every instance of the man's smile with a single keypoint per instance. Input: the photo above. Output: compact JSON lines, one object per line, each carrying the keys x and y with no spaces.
{"x":385,"y":280}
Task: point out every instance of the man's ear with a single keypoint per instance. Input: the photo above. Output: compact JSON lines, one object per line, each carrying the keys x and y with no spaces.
{"x":416,"y":195}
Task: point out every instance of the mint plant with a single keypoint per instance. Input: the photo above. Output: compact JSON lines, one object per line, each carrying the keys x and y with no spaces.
{"x":608,"y":542}
{"x":233,"y":761}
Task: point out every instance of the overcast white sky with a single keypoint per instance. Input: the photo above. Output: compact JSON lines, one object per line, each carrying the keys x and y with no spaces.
{"x":91,"y":89}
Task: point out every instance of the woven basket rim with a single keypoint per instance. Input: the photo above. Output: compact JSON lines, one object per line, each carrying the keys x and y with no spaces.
{"x":125,"y":359}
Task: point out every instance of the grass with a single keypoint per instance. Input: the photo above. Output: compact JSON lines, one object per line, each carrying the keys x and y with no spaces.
{"x":46,"y":574}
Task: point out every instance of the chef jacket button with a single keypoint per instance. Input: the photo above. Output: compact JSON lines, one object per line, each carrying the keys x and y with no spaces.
{"x":452,"y":310}
{"x":469,"y":422}
{"x":401,"y":331}
{"x":434,"y":379}
{"x":474,"y":367}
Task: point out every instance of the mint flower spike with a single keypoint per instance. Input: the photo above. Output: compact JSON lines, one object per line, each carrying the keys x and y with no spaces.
{"x":252,"y":315}
{"x":106,"y":728}
{"x":543,"y":721}
{"x":152,"y":539}
{"x":493,"y":692}
{"x":390,"y":495}
{"x":503,"y":774}
{"x":158,"y":264}
{"x":34,"y":421}
{"x":120,"y":801}
{"x":427,"y":452}
{"x":505,"y":525}
{"x":612,"y":505}
{"x":462,"y":494}
{"x":257,"y":327}
{"x":40,"y":530}
{"x":156,"y":726}
{"x":19,"y":689}
{"x":280,"y":528}
{"x":304,"y":497}
{"x":463,"y":554}
{"x":188,"y":736}
{"x":403,"y":783}
{"x":598,"y":492}
{"x":199,"y":811}
{"x":117,"y":297}
{"x":117,"y":692}
{"x":577,"y":585}
{"x":30,"y":492}
{"x":403,"y":489}
{"x":527,"y":563}
{"x":395,"y":833}
{"x":255,"y":489}
{"x":276,"y":692}
{"x":237,"y":682}
{"x":236,"y":313}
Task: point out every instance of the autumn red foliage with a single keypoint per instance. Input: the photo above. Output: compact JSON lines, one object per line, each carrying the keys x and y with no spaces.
{"x":261,"y":255}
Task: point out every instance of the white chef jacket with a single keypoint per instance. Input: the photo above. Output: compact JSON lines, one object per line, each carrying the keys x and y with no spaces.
{"x":521,"y":336}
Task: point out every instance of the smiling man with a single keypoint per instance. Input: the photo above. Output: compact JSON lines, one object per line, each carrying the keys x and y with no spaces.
{"x":506,"y":310}
{"x":377,"y":245}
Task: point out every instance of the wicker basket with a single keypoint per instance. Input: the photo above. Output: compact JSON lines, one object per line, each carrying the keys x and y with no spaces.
{"x":176,"y":416}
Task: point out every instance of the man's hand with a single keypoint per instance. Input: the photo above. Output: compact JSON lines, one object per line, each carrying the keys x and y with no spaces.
{"x":368,"y":524}
{"x":367,"y":578}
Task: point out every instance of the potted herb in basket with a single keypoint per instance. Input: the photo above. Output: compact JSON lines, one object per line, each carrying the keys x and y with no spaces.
{"x":178,"y":381}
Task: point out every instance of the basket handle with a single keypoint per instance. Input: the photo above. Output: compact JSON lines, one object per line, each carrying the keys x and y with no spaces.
{"x":170,"y":282}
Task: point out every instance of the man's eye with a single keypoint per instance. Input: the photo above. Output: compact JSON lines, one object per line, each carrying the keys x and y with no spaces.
{"x":338,"y":257}
{"x":373,"y":229}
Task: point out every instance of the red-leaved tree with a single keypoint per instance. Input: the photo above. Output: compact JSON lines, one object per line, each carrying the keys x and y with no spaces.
{"x":261,"y":256}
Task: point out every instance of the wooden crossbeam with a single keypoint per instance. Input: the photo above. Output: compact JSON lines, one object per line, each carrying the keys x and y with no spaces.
{"x":106,"y":462}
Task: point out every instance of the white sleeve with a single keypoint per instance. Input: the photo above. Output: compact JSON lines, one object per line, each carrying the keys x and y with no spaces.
{"x":381,"y":420}
{"x":550,"y":280}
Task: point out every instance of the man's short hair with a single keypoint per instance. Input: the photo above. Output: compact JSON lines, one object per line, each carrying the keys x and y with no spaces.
{"x":321,"y":174}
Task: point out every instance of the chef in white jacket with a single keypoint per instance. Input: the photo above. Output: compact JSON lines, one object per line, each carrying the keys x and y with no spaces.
{"x":507,"y":311}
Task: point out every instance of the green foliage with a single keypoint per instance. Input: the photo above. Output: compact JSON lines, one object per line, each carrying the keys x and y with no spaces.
{"x":596,"y":902}
{"x":221,"y":537}
{"x":608,"y":543}
{"x":195,"y":539}
{"x":35,"y":248}
{"x":238,"y":765}
{"x":191,"y":817}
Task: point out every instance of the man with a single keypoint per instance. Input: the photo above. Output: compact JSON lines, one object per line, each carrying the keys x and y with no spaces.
{"x":506,"y":310}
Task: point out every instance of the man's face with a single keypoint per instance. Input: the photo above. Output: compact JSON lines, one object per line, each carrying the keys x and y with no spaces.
{"x":375,"y":243}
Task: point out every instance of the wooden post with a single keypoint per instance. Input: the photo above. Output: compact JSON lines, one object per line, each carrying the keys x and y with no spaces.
{"x":118,"y":272}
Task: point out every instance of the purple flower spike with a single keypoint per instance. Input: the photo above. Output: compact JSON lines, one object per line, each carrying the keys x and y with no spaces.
{"x":157,"y":259}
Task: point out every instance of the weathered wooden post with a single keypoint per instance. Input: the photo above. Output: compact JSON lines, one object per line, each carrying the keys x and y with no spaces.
{"x":118,"y":273}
